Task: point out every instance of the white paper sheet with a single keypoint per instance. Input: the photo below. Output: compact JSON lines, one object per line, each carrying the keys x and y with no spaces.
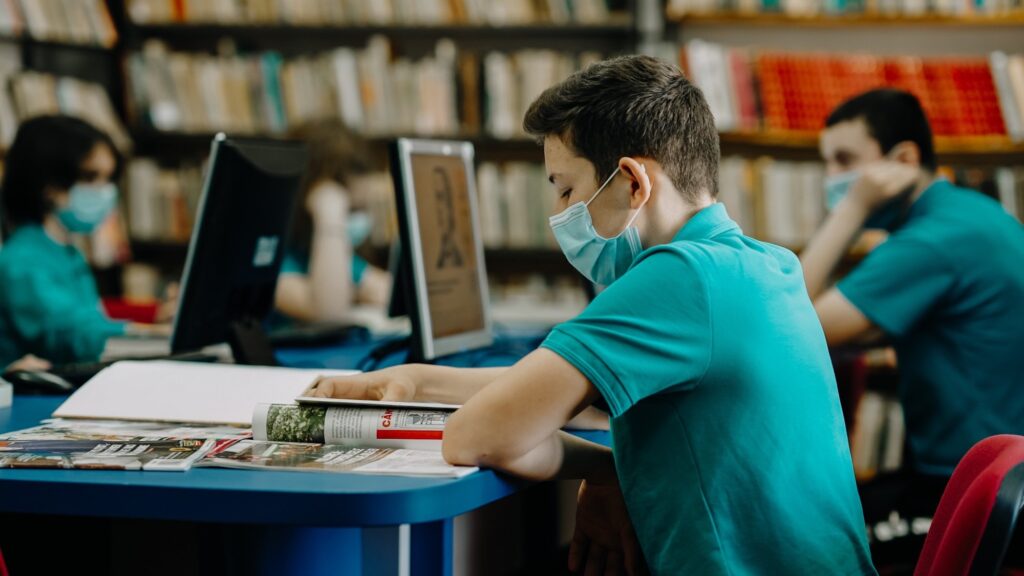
{"x":186,"y":391}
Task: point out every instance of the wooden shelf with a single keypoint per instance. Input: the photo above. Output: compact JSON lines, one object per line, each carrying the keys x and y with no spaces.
{"x":1008,"y":19}
{"x":150,"y":142}
{"x":28,"y":40}
{"x":617,"y":29}
{"x":804,"y":146}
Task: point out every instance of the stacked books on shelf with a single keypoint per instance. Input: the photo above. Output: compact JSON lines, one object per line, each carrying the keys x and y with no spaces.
{"x":162,"y":202}
{"x":515,"y":203}
{"x":1008,"y":74}
{"x":36,"y":93}
{"x":783,"y":202}
{"x":447,"y":93}
{"x":776,"y":201}
{"x":797,"y":91}
{"x":360,"y":12}
{"x":878,"y":8}
{"x":86,"y":22}
{"x":878,"y":434}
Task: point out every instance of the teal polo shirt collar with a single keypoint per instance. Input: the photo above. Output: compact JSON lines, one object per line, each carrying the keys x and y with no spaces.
{"x":708,"y":223}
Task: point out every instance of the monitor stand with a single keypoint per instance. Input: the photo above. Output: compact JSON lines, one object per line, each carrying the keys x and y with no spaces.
{"x":250,"y":344}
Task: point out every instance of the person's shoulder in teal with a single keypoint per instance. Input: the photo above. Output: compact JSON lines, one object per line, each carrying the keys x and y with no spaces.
{"x":321,"y":275}
{"x":57,"y":182}
{"x":724,"y":408}
{"x":729,"y":450}
{"x":947,"y":286}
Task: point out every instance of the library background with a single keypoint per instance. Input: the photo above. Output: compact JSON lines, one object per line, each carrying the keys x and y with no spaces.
{"x":163,"y":76}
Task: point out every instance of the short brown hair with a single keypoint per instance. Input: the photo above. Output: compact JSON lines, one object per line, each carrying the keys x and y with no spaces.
{"x":633,"y":106}
{"x":336,"y":153}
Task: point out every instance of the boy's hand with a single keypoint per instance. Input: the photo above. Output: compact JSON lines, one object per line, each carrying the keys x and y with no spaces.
{"x":328,"y":204}
{"x":397,"y":383}
{"x":30,"y":362}
{"x":882,"y":181}
{"x":604,"y":542}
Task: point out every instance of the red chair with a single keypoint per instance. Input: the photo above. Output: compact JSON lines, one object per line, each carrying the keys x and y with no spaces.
{"x":3,"y":566}
{"x":979,"y":510}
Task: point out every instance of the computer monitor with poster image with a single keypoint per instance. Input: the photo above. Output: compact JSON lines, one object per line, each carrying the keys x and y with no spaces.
{"x":439,"y":271}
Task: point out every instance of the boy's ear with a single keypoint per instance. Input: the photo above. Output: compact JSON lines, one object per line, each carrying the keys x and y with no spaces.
{"x":906,"y":152}
{"x":639,"y":180}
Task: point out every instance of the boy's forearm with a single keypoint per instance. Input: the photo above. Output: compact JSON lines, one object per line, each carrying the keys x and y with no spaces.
{"x":828,"y":246}
{"x":563,"y":456}
{"x":452,"y":385}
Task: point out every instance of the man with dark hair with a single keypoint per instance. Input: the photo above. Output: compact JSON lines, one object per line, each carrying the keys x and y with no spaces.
{"x":730,"y":454}
{"x":947,"y":288}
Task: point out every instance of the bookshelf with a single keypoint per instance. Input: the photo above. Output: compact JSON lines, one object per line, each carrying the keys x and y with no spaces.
{"x":866,"y":20}
{"x":301,"y":42}
{"x":980,"y":150}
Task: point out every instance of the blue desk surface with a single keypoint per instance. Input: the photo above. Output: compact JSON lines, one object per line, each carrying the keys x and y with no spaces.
{"x":241,"y":496}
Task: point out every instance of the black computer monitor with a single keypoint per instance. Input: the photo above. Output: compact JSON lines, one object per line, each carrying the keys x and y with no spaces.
{"x":440,"y":279}
{"x":237,"y":246}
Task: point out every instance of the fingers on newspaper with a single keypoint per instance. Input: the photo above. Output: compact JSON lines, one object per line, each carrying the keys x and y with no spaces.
{"x":342,"y":439}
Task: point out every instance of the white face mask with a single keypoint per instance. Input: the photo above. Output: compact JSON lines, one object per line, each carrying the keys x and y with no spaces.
{"x":601,"y":260}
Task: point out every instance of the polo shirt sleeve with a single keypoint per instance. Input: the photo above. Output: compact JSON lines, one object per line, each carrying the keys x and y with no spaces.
{"x":649,"y":332}
{"x":52,"y":321}
{"x":291,"y":264}
{"x":898,"y":284}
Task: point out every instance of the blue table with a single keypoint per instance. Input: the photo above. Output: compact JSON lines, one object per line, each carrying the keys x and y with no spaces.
{"x":294,"y":504}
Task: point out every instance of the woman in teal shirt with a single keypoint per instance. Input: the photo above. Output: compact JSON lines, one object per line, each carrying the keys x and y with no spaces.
{"x":58,"y":182}
{"x":321,"y":277}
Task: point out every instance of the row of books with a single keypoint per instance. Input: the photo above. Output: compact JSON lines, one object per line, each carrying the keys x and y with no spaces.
{"x":1008,"y":74}
{"x":777,"y":201}
{"x":37,"y":93}
{"x":68,"y":21}
{"x":24,"y":94}
{"x":515,"y":203}
{"x":887,"y":8}
{"x":783,"y":202}
{"x":447,"y":93}
{"x":359,"y":12}
{"x":878,"y":434}
{"x":781,"y":91}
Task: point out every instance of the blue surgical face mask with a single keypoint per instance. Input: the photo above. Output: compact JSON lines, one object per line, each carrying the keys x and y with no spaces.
{"x":885,"y":217}
{"x":359,"y":226}
{"x":601,"y":260}
{"x":838,"y":186}
{"x":88,"y":206}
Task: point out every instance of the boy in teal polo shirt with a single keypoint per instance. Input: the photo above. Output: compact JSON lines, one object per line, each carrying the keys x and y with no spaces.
{"x":947,"y":288}
{"x":730,"y":454}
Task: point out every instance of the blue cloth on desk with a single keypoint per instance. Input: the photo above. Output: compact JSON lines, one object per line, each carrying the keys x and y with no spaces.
{"x":49,"y":305}
{"x":727,"y":430}
{"x":948,"y":286}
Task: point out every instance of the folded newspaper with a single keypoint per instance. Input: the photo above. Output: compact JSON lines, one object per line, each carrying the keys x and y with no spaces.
{"x":113,"y":445}
{"x":350,"y":439}
{"x":364,"y":440}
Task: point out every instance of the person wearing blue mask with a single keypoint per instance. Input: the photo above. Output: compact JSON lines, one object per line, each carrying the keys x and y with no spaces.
{"x":321,"y":276}
{"x":58,"y":182}
{"x":729,"y":451}
{"x":946,"y":288}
